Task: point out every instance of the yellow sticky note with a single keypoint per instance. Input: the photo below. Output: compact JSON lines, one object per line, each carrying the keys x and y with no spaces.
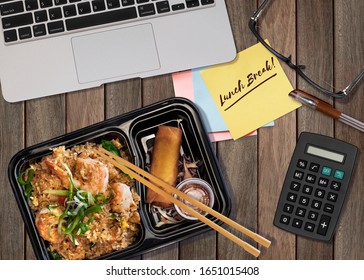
{"x":250,"y":91}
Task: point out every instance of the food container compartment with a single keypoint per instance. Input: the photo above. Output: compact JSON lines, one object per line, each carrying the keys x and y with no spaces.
{"x":195,"y":144}
{"x":22,"y":161}
{"x":136,"y":129}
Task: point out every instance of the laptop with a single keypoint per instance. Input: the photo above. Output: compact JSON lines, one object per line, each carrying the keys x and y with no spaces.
{"x":49,"y":47}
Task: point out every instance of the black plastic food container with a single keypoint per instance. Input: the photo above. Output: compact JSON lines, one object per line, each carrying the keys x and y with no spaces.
{"x":133,"y":129}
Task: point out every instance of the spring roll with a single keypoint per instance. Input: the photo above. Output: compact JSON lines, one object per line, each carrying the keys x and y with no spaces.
{"x":164,"y":165}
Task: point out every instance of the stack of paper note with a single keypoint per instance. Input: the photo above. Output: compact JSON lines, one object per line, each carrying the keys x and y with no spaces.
{"x":237,"y":98}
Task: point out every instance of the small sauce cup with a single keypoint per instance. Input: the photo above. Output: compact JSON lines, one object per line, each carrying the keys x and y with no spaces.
{"x":198,"y":189}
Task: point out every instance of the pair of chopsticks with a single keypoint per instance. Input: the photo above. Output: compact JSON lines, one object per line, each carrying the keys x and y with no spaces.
{"x":153,"y":183}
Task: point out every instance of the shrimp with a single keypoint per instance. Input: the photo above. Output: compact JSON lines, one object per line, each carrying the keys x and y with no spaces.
{"x":123,"y":198}
{"x":59,"y":172}
{"x":91,"y":175}
{"x":46,"y":222}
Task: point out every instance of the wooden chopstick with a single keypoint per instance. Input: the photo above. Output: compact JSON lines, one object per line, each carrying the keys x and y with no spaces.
{"x":141,"y":175}
{"x":261,"y":240}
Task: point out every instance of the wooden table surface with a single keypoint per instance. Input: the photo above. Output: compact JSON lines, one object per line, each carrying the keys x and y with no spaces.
{"x":326,"y":35}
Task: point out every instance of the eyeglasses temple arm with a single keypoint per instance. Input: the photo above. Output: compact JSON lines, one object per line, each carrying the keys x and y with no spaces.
{"x":353,"y":84}
{"x":256,"y":15}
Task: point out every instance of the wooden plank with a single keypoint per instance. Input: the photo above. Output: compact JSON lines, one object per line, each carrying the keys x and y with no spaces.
{"x":84,"y":108}
{"x":11,"y":141}
{"x":315,"y":32}
{"x":122,"y":97}
{"x":276,"y":144}
{"x":239,"y":158}
{"x":349,"y":61}
{"x":45,"y":119}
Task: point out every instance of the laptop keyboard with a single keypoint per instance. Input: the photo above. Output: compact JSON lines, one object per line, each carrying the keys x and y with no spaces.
{"x":35,"y":19}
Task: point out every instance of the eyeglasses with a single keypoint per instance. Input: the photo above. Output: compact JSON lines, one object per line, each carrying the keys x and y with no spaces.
{"x":299,"y":68}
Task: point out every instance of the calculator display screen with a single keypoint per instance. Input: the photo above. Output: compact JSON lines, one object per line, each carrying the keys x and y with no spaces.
{"x":312,"y":150}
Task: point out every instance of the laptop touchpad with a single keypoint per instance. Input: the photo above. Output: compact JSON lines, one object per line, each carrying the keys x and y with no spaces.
{"x":115,"y":53}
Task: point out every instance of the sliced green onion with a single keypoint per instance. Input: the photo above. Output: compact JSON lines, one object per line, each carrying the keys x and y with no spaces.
{"x":110,"y":146}
{"x":73,"y":239}
{"x":91,"y":219}
{"x":83,"y":227}
{"x":93,"y":209}
{"x":74,"y":222}
{"x":28,"y":188}
{"x":51,"y":207}
{"x":72,"y":184}
{"x":78,"y":208}
{"x":60,"y":224}
{"x":55,"y":255}
{"x":100,"y":198}
{"x":90,"y":199}
{"x":30,"y":176}
{"x":79,"y":204}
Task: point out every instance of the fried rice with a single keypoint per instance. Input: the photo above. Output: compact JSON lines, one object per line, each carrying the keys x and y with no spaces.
{"x":84,"y":207}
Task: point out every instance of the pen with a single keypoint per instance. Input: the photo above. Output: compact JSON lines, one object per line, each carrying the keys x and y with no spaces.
{"x":324,"y":107}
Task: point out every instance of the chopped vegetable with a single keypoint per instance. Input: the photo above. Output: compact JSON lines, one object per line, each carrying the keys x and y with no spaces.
{"x":110,"y":146}
{"x":55,"y":255}
{"x":25,"y":179}
{"x":79,"y":204}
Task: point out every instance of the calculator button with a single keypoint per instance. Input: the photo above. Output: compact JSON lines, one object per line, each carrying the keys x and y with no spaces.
{"x":326,"y":171}
{"x":295,"y":186}
{"x":332,"y":197}
{"x":335,"y":185}
{"x":329,"y":208}
{"x":307,"y":189}
{"x":288,"y":208}
{"x":311,"y":178}
{"x":285,"y":219}
{"x":314,"y":167}
{"x":312,"y":215}
{"x":304,"y":200}
{"x":323,"y":225}
{"x":300,"y":212}
{"x":302,"y":163}
{"x":319,"y":193}
{"x":316,"y":204}
{"x":292,"y":197}
{"x":309,"y":227}
{"x":323,"y":182}
{"x":298,"y":175}
{"x":339,"y":174}
{"x":297,"y":223}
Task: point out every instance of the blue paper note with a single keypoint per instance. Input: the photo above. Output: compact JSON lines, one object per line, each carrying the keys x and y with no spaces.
{"x":203,"y":99}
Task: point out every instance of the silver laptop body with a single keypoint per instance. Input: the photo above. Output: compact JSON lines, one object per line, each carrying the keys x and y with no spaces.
{"x":154,"y":37}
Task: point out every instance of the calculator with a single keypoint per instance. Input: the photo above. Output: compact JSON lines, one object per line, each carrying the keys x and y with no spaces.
{"x":315,"y":186}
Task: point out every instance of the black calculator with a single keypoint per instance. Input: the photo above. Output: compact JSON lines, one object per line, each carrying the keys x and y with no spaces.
{"x":315,"y":186}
